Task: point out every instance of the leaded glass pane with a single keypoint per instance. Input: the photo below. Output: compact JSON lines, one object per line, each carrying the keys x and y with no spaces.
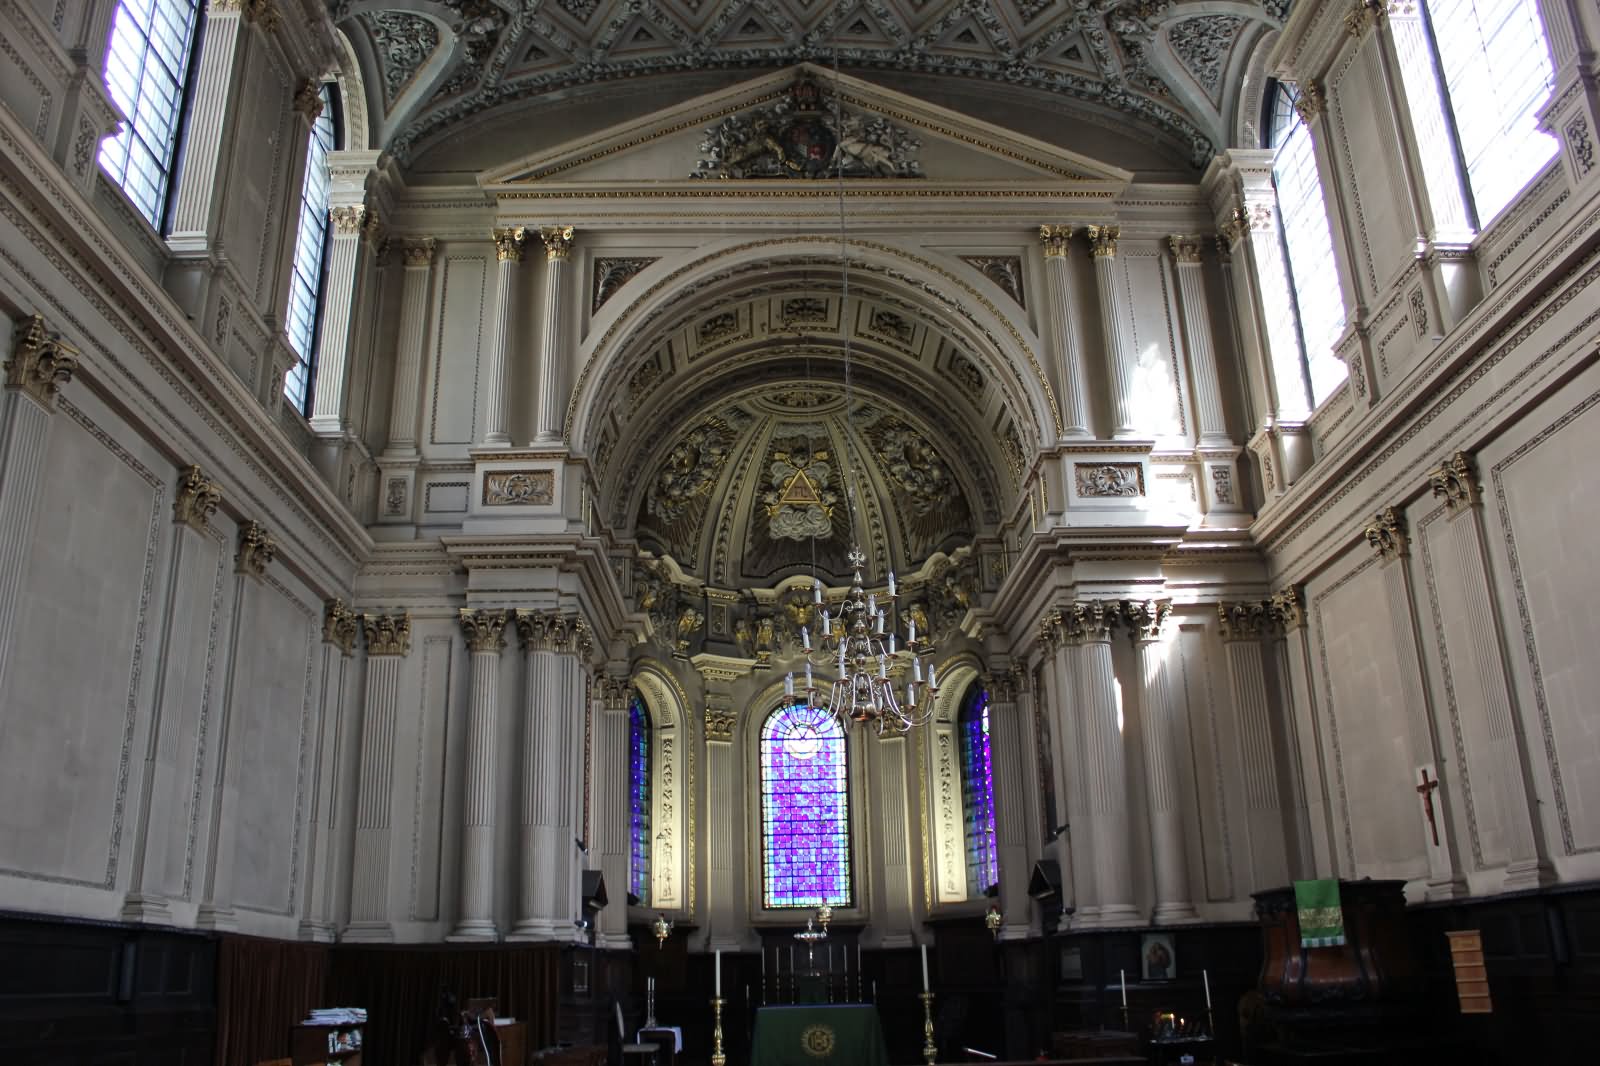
{"x":805,"y":812}
{"x":977,"y":793}
{"x":305,"y":286}
{"x":639,"y":800}
{"x":147,"y":62}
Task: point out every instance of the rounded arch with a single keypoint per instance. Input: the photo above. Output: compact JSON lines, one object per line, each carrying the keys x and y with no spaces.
{"x":352,"y":96}
{"x":671,"y":797}
{"x":947,"y":863}
{"x":1002,"y":341}
{"x":1249,"y":119}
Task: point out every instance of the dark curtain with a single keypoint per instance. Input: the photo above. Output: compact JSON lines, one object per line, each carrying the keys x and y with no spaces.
{"x":399,"y":987}
{"x":264,"y":987}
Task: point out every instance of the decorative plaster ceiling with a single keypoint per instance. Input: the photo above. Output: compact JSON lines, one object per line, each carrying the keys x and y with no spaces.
{"x":1161,"y":65}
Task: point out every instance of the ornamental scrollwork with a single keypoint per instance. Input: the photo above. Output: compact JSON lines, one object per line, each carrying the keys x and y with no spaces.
{"x":387,"y":634}
{"x":1456,"y":481}
{"x":1387,"y":534}
{"x":256,"y":550}
{"x":196,"y":500}
{"x":484,"y":630}
{"x":340,"y":625}
{"x":41,"y":362}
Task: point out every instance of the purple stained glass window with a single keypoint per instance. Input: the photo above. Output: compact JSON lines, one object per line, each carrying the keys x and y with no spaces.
{"x":805,"y":810}
{"x":977,"y":792}
{"x":639,"y":800}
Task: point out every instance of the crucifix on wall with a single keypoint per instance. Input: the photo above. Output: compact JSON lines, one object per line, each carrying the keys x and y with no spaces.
{"x":1425,"y":790}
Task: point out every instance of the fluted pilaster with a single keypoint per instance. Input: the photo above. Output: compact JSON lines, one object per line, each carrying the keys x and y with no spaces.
{"x":1105,"y":767}
{"x":1011,"y":735}
{"x":347,"y":224}
{"x":1061,"y":322}
{"x":1243,"y":627}
{"x":1209,"y":420}
{"x":1161,"y":722}
{"x":404,"y":411}
{"x":611,"y":806}
{"x":552,"y":341}
{"x":193,"y":215}
{"x":484,"y":632}
{"x":508,"y":251}
{"x":1114,"y":313}
{"x":388,"y":642}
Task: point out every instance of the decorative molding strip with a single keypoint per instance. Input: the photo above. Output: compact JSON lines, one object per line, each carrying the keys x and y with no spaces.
{"x":256,"y":550}
{"x":339,"y":625}
{"x":197,"y":499}
{"x":1387,"y":534}
{"x":387,"y":634}
{"x":484,"y":630}
{"x":1456,"y":480}
{"x":41,"y":362}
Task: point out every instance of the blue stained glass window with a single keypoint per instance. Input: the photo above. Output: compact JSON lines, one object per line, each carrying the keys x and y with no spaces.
{"x":805,"y":810}
{"x":977,"y":792}
{"x":639,"y":800}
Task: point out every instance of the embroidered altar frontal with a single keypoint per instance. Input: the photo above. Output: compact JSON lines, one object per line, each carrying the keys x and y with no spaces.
{"x":817,"y":1035}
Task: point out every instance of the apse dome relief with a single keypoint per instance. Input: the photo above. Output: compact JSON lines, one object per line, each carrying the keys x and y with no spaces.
{"x":763,"y":488}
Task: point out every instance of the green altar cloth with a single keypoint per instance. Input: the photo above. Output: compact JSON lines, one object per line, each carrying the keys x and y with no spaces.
{"x":1320,"y":915}
{"x":846,"y":1034}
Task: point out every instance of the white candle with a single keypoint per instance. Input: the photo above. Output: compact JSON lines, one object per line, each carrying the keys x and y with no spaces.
{"x":932,"y":681}
{"x":911,"y":694}
{"x":916,"y":670}
{"x":891,"y":582}
{"x":816,"y":590}
{"x":872,"y":603}
{"x":1207,"y":979}
{"x":805,"y":638}
{"x":719,"y":971}
{"x":924,"y":967}
{"x":891,"y":643}
{"x":1124,"y":977}
{"x":788,"y":684}
{"x":880,"y":622}
{"x":912,"y":636}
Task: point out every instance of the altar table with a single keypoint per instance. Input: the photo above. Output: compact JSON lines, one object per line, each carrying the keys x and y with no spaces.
{"x":844,"y":1034}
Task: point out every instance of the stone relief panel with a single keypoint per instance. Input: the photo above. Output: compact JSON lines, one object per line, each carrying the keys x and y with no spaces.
{"x":402,"y":43}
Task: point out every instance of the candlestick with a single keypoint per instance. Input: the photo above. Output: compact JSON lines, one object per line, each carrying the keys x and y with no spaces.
{"x":1206,"y":977}
{"x":930,"y":1053}
{"x":718,"y":989}
{"x":925,"y":967}
{"x":717,"y":1057}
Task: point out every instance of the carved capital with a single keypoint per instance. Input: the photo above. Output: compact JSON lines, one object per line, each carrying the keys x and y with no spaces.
{"x":256,"y":550}
{"x":1091,"y":622}
{"x":719,"y":725}
{"x":1456,"y":481}
{"x":1185,"y":249}
{"x":387,"y":634}
{"x":1001,"y":686}
{"x":41,"y":362}
{"x":1387,"y":534}
{"x":484,"y":630}
{"x":1051,"y":629}
{"x":308,"y":100}
{"x":1311,"y":101}
{"x":557,"y":242}
{"x":1364,"y":15}
{"x":348,"y":221}
{"x":339,"y":625}
{"x":1056,"y":240}
{"x":1287,"y":608}
{"x":373,"y":233}
{"x":418,"y":253}
{"x":196,"y":500}
{"x":1237,"y":226}
{"x":262,"y":12}
{"x":508,"y":243}
{"x":1103,"y":240}
{"x":552,"y":631}
{"x":614,"y":693}
{"x":1144,"y":618}
{"x":1247,"y":620}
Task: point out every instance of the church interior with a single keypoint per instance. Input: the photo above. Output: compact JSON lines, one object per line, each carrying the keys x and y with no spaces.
{"x":786,"y":532}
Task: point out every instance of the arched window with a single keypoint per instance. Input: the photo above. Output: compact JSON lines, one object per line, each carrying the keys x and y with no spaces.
{"x":977,"y":792}
{"x":1313,"y":318}
{"x":148,"y":62}
{"x":639,"y":800}
{"x":805,"y":810}
{"x":1492,"y":62}
{"x":310,"y":258}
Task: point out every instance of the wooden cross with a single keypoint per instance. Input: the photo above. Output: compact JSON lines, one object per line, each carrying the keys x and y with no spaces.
{"x":1425,"y":790}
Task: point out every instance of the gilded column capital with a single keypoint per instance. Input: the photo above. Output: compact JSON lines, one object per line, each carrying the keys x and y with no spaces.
{"x":1002,"y":685}
{"x":1287,"y":608}
{"x":1103,"y":240}
{"x":1387,"y":534}
{"x":557,"y":242}
{"x":1364,"y":15}
{"x":552,"y":631}
{"x":196,"y":500}
{"x":1245,"y":620}
{"x":1185,"y":248}
{"x":1145,"y":618}
{"x":348,"y":220}
{"x":1056,"y":240}
{"x":1456,"y":480}
{"x":1091,"y":622}
{"x":41,"y":362}
{"x":508,"y":243}
{"x":256,"y":550}
{"x":719,"y":725}
{"x":484,"y":630}
{"x":1311,"y":101}
{"x":339,"y":625}
{"x":387,"y":634}
{"x":1051,"y":629}
{"x":418,"y":252}
{"x":1237,"y":225}
{"x":308,"y":100}
{"x":614,"y":693}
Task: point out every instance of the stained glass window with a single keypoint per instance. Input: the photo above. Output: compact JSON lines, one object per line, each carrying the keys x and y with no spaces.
{"x":977,"y":792}
{"x":639,"y":800}
{"x":805,"y":810}
{"x":147,"y":66}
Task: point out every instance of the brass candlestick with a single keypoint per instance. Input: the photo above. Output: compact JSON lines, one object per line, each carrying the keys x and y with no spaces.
{"x":717,"y":1057}
{"x":929,"y":1053}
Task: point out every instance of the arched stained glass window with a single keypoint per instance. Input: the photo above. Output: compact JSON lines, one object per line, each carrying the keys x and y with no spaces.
{"x":805,"y":810}
{"x":639,"y":800}
{"x":977,"y":791}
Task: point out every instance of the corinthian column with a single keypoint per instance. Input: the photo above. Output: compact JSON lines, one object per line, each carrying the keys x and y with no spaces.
{"x":552,"y":341}
{"x":197,"y":201}
{"x":40,"y":363}
{"x":1243,"y":625}
{"x":484,"y":633}
{"x":1209,"y":423}
{"x":1011,"y":737}
{"x":403,"y":408}
{"x":508,"y":250}
{"x":388,"y":642}
{"x":1061,"y":325}
{"x":553,"y":688}
{"x":1073,"y":844}
{"x":1104,"y":765}
{"x":1114,"y":311}
{"x":349,"y":223}
{"x":1160,"y":734}
{"x":612,"y":805}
